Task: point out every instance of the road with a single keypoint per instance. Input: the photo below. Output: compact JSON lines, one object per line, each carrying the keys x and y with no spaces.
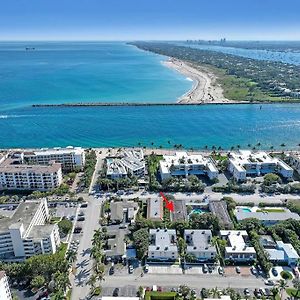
{"x":84,"y":263}
{"x":175,"y":280}
{"x":255,"y":198}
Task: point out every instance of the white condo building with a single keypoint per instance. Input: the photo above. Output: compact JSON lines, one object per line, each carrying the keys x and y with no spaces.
{"x":183,"y":164}
{"x":14,"y":175}
{"x":70,"y":158}
{"x":199,"y":244}
{"x":25,"y":232}
{"x":246,"y":163}
{"x":128,"y":162}
{"x":162,"y":245}
{"x":294,"y":160}
{"x":237,"y":248}
{"x":5,"y":293}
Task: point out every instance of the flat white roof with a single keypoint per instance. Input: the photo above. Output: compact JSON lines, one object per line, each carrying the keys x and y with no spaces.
{"x":58,"y":150}
{"x":236,"y":240}
{"x":183,"y":158}
{"x":246,"y":157}
{"x":163,"y":240}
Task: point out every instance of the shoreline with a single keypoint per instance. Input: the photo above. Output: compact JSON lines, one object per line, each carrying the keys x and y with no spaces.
{"x":204,"y":90}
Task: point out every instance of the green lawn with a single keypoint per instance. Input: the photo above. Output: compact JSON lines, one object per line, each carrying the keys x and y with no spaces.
{"x":274,"y":210}
{"x":160,"y":295}
{"x":293,"y":292}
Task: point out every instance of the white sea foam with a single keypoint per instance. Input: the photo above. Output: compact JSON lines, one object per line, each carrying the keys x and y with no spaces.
{"x":189,"y":79}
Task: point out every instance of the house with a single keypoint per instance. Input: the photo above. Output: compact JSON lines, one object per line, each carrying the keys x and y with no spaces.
{"x":115,"y":247}
{"x":123,"y":211}
{"x":267,"y":215}
{"x":155,"y":211}
{"x":248,"y":163}
{"x":237,"y":249}
{"x":128,"y":162}
{"x":183,"y":164}
{"x":294,"y":161}
{"x":219,"y":209}
{"x":163,"y":245}
{"x":279,"y":252}
{"x":199,"y":244}
{"x":27,"y":232}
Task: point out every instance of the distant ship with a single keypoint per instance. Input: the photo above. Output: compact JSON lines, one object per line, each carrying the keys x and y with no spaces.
{"x":29,"y":48}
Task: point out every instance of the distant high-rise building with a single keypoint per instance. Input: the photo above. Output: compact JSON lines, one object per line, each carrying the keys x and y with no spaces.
{"x":5,"y":293}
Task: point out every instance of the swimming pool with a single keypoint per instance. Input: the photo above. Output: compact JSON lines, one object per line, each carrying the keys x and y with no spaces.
{"x":246,"y":210}
{"x":197,"y":211}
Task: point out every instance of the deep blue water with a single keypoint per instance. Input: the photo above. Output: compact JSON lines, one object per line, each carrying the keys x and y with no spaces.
{"x":225,"y":126}
{"x":72,"y":72}
{"x":84,"y":72}
{"x":285,"y":57}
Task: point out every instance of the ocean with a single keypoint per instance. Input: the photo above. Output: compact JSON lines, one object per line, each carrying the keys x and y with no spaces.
{"x":86,"y":72}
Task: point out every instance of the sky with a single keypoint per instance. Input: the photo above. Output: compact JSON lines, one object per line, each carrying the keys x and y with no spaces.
{"x":149,"y":19}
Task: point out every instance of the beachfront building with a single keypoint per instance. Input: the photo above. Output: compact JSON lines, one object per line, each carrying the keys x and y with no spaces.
{"x":123,"y":211}
{"x":26,"y":231}
{"x":14,"y":175}
{"x":237,"y":249}
{"x":5,"y":293}
{"x":248,"y":163}
{"x":155,"y":210}
{"x":294,"y":161}
{"x":266,"y":215}
{"x":128,"y":162}
{"x":199,"y":244}
{"x":70,"y":158}
{"x":184,"y":164}
{"x":162,"y":245}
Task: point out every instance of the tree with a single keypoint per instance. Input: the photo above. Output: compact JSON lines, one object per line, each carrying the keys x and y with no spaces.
{"x":38,"y":281}
{"x":141,"y":241}
{"x":282,"y":285}
{"x":65,"y":226}
{"x":185,"y":291}
{"x":271,"y":178}
{"x":71,"y":256}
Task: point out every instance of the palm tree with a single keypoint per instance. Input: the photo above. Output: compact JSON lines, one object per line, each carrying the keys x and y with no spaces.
{"x":274,"y":292}
{"x":215,"y":292}
{"x":71,"y":256}
{"x":282,"y":286}
{"x":296,"y":285}
{"x":92,"y":282}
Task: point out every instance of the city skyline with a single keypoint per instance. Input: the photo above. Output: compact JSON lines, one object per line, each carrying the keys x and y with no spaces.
{"x":149,"y":20}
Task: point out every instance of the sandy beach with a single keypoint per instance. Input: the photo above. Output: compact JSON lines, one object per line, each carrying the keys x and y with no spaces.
{"x":205,"y":89}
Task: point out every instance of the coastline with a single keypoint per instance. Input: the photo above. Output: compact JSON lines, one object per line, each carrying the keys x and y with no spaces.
{"x":205,"y":89}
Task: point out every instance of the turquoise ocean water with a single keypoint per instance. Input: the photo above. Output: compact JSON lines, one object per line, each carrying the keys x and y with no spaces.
{"x":71,"y":72}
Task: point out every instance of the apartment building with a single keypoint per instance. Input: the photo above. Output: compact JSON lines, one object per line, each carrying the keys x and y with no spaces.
{"x":237,"y":249}
{"x":267,"y":215}
{"x":70,"y":158}
{"x":294,"y":161}
{"x":5,"y":293}
{"x":25,"y":232}
{"x":155,"y":211}
{"x":183,"y":164}
{"x":128,"y":162}
{"x":14,"y":175}
{"x":163,"y":245}
{"x":248,"y":163}
{"x":199,"y":244}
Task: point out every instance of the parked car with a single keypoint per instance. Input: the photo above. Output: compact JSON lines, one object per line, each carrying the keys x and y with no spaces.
{"x":205,"y":268}
{"x":130,"y":269}
{"x":246,"y":292}
{"x":210,"y":268}
{"x":116,"y":292}
{"x":253,"y":270}
{"x":146,"y":268}
{"x":274,"y":272}
{"x":77,"y":229}
{"x":269,"y":282}
{"x":221,"y":270}
{"x":80,"y":219}
{"x":296,"y":272}
{"x":83,"y":205}
{"x":238,"y":269}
